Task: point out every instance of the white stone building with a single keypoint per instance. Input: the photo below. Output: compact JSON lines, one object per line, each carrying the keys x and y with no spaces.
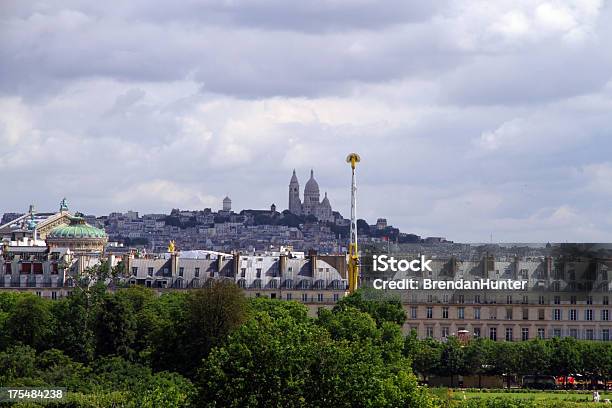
{"x":322,"y":210}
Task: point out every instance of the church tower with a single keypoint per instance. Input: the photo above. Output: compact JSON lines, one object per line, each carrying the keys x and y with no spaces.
{"x":295,"y":204}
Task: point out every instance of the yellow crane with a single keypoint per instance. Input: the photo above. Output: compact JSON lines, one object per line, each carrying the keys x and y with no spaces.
{"x":353,"y":255}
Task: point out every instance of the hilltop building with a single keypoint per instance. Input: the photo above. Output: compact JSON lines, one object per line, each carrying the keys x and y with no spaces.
{"x":311,"y":205}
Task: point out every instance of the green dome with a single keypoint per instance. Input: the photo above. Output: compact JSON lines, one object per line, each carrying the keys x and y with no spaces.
{"x":77,"y":228}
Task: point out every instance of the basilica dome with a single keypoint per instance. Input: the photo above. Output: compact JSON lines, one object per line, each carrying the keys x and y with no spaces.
{"x":312,"y":187}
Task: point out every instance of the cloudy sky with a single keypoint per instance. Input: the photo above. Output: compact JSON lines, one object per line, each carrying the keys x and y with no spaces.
{"x":471,"y":117}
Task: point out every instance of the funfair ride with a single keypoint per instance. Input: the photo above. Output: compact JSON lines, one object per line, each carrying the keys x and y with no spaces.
{"x":353,"y":253}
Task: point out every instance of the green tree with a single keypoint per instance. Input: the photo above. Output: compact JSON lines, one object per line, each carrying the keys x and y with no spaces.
{"x":427,"y":357}
{"x":381,"y":306}
{"x":275,"y":307}
{"x":535,"y":357}
{"x":565,"y":356}
{"x":212,"y":314}
{"x":17,"y":362}
{"x":142,"y":301}
{"x":275,"y":359}
{"x":73,"y":332}
{"x":30,"y":322}
{"x":452,"y":358}
{"x":478,"y":357}
{"x":115,"y":327}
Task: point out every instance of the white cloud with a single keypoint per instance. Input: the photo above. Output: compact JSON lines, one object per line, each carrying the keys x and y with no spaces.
{"x":471,"y":117}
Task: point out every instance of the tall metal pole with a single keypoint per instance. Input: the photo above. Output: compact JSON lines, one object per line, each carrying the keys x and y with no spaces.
{"x":353,"y":261}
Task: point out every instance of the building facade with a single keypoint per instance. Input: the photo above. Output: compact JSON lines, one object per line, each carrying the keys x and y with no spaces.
{"x":311,"y":278}
{"x":563,"y":297}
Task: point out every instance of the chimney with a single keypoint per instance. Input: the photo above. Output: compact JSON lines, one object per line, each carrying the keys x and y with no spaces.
{"x":312,"y":254}
{"x":220,"y":260}
{"x":282,"y":264}
{"x":174,"y":263}
{"x":236,"y":263}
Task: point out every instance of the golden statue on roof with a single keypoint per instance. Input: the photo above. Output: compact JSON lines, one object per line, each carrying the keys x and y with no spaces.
{"x":171,"y":247}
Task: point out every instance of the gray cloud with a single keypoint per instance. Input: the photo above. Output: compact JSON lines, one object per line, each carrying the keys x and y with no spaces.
{"x":470,"y":120}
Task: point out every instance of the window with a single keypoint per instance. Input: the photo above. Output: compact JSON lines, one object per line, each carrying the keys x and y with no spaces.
{"x":429,"y":331}
{"x":53,"y":295}
{"x":289,"y":296}
{"x":525,"y":299}
{"x":181,"y":271}
{"x":336,"y":297}
{"x":242,"y":272}
{"x":477,"y":313}
{"x":588,"y":335}
{"x":429,"y":312}
{"x":413,"y":312}
{"x":509,"y":313}
{"x":429,"y":298}
{"x":556,"y":314}
{"x":525,"y":333}
{"x":477,"y":332}
{"x":605,"y":334}
{"x":258,"y":273}
{"x":541,"y":334}
{"x":540,"y":300}
{"x":304,"y":297}
{"x":134,"y":270}
{"x":197,"y":272}
{"x":150,"y":271}
{"x":573,"y":300}
{"x":445,"y":332}
{"x":461,"y":313}
{"x":605,"y":300}
{"x":39,"y":294}
{"x":605,"y":314}
{"x":588,"y":314}
{"x":540,"y":314}
{"x":525,"y":314}
{"x":493,"y":333}
{"x":572,"y":314}
{"x":461,"y":299}
{"x":557,"y":300}
{"x":556,"y":332}
{"x":573,"y":333}
{"x":445,"y":313}
{"x":509,"y":299}
{"x":476,"y":298}
{"x":589,"y":300}
{"x":319,"y":297}
{"x":508,"y":333}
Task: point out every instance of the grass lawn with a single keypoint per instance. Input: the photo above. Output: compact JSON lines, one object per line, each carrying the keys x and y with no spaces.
{"x":538,"y":396}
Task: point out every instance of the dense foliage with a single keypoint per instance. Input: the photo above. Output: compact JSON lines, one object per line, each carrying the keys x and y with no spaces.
{"x":209,"y":347}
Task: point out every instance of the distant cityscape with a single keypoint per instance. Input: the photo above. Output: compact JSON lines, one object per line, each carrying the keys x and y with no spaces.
{"x":306,"y":224}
